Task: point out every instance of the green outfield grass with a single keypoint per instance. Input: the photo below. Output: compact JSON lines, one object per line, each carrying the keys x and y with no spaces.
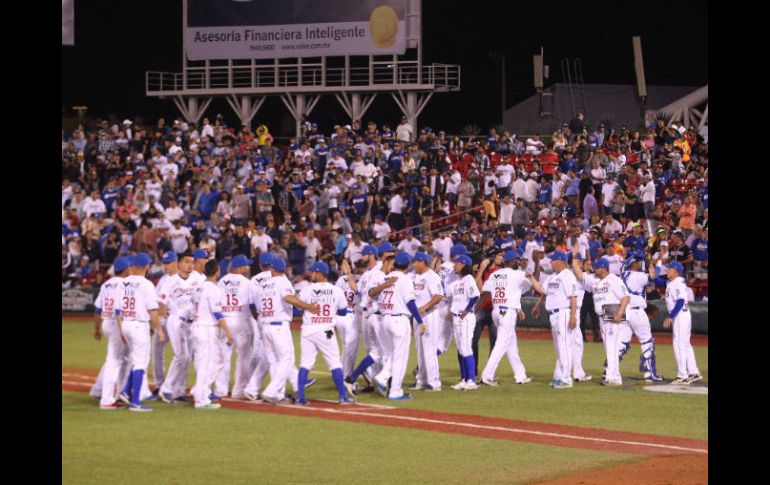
{"x":179,"y":445}
{"x":588,"y":404}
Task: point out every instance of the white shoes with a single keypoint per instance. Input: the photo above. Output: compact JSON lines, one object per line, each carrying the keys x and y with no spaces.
{"x":470,"y":386}
{"x":525,"y":381}
{"x":460,"y":386}
{"x":489,"y":382}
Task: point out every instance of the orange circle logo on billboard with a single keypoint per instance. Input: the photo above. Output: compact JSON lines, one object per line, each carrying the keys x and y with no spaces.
{"x":383,"y":26}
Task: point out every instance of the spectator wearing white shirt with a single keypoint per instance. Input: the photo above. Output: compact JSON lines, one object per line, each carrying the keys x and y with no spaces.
{"x":404,"y":131}
{"x":409,"y":244}
{"x":519,"y":188}
{"x":180,"y":236}
{"x":396,"y":218}
{"x":533,"y":188}
{"x":534,"y":145}
{"x":453,"y":186}
{"x":354,"y":249}
{"x":506,"y":213}
{"x":207,"y":130}
{"x":611,"y":226}
{"x":312,"y":247}
{"x":443,"y":245}
{"x":93,"y":204}
{"x":505,"y":173}
{"x":260,"y":242}
{"x":380,"y":229}
{"x":648,"y":199}
{"x":608,"y":194}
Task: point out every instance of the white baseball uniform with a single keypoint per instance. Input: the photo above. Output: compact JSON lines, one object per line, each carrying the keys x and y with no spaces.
{"x":137,"y":301}
{"x":446,"y":326}
{"x":114,"y":372}
{"x":560,"y":289}
{"x":396,"y":328}
{"x":458,"y":294}
{"x":375,"y":337}
{"x":318,"y":330}
{"x":575,"y":336}
{"x":348,"y":326}
{"x":426,"y":286}
{"x":207,"y":301}
{"x":608,"y":291}
{"x":177,"y":295}
{"x":506,"y":285}
{"x":159,"y":348}
{"x":638,"y":321}
{"x":260,"y":364}
{"x":275,"y":317}
{"x":235,"y":308}
{"x":681,"y":326}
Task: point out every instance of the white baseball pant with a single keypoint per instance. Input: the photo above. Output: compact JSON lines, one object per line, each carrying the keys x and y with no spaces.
{"x":639,"y":325}
{"x":259,"y":364}
{"x":427,"y":360}
{"x":157,"y":357}
{"x":280,"y":353}
{"x":611,"y":332}
{"x":445,"y":328}
{"x":385,"y":340}
{"x":310,"y":345}
{"x":506,"y":344}
{"x":463,"y":333}
{"x":138,"y":342}
{"x":243,"y":344}
{"x":123,"y":370}
{"x":376,"y":337}
{"x":347,"y":327}
{"x":561,"y":345}
{"x":207,"y":360}
{"x":399,"y":332}
{"x":222,"y":381}
{"x":683,"y":351}
{"x":179,"y":338}
{"x":117,"y":359}
{"x":575,"y":337}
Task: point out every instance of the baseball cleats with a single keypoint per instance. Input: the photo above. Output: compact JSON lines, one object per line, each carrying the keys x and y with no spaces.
{"x":115,"y":405}
{"x":369,"y":381}
{"x":651,"y":378}
{"x":585,"y":378}
{"x":382,"y":390}
{"x":209,"y":406}
{"x":310,"y":382}
{"x":489,"y":382}
{"x":416,"y":386}
{"x":559,"y":384}
{"x":405,"y":397}
{"x":276,"y":401}
{"x":167,"y":397}
{"x":301,"y":402}
{"x":611,"y":383}
{"x":694,"y":378}
{"x":429,"y":388}
{"x":347,"y":401}
{"x":181,"y":399}
{"x":251,"y":397}
{"x":154,"y":397}
{"x":460,"y":386}
{"x":681,"y":380}
{"x":139,"y":408}
{"x":350,"y":386}
{"x":215,"y":397}
{"x":124,"y":397}
{"x":527,"y":380}
{"x":470,"y":386}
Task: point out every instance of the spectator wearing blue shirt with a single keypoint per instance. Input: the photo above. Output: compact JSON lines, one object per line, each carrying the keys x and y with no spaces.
{"x":396,"y":159}
{"x":636,"y":240}
{"x":568,"y":163}
{"x":110,"y":196}
{"x":207,"y":201}
{"x":700,"y":252}
{"x":573,"y":187}
{"x":546,"y":190}
{"x":594,"y":244}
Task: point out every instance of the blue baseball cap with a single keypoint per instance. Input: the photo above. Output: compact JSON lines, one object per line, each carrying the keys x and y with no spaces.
{"x":320,"y":267}
{"x":602,"y":263}
{"x":369,"y":249}
{"x":240,"y":261}
{"x":558,"y":256}
{"x":677,"y":266}
{"x":169,"y":257}
{"x":464,"y":259}
{"x":403,"y":259}
{"x":635,"y":255}
{"x":200,"y":254}
{"x":266,"y":260}
{"x":140,"y":259}
{"x":385,"y":247}
{"x":511,"y":254}
{"x":420,"y":256}
{"x":458,"y":249}
{"x":279,"y":264}
{"x":121,"y":264}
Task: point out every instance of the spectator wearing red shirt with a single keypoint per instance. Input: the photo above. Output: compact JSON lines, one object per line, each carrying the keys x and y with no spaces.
{"x":550,"y":162}
{"x":484,"y":313}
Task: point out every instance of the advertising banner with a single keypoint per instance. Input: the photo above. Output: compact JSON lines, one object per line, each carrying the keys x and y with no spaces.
{"x":266,"y":29}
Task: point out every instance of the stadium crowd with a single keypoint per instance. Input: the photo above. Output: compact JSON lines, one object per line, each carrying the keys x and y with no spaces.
{"x":130,"y":188}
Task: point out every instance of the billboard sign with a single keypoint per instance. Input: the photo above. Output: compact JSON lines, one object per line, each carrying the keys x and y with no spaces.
{"x":266,"y":29}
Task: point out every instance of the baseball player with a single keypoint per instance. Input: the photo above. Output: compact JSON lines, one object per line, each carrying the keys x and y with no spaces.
{"x":370,"y":284}
{"x":139,"y":307}
{"x":429,"y":292}
{"x":260,"y":364}
{"x":506,"y":286}
{"x":273,"y":304}
{"x":636,"y":281}
{"x":116,"y":361}
{"x":170,"y":267}
{"x":235,"y":309}
{"x":348,"y":325}
{"x":679,"y":320}
{"x":176,"y":295}
{"x":396,"y":301}
{"x":318,"y":331}
{"x":561,"y":303}
{"x":208,"y":320}
{"x":448,"y":276}
{"x":200,"y":256}
{"x":610,"y":301}
{"x":575,"y":335}
{"x":462,"y":295}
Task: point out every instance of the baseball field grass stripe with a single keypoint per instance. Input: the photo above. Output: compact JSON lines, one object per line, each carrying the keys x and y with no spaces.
{"x":511,"y":430}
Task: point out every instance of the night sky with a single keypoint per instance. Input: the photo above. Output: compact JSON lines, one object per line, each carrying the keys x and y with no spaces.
{"x":116,"y":42}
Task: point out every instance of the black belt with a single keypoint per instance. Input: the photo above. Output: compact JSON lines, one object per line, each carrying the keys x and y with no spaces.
{"x":377,"y":313}
{"x":557,"y":310}
{"x":185,"y":320}
{"x":635,"y":308}
{"x":399,"y":315}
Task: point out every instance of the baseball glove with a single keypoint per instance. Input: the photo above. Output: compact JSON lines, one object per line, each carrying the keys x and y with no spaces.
{"x":652,"y":312}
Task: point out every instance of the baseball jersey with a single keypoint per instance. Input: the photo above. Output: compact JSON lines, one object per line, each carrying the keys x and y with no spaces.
{"x":200,"y":277}
{"x":581,"y":291}
{"x":138,"y":298}
{"x":448,"y":276}
{"x":270,"y":304}
{"x":635,"y":282}
{"x":560,"y":287}
{"x":327,"y":296}
{"x":506,"y":286}
{"x":352,"y":297}
{"x":161,"y":284}
{"x":676,"y":290}
{"x":370,"y":279}
{"x":207,"y":301}
{"x":177,"y":295}
{"x":460,"y":292}
{"x":236,"y":296}
{"x":616,"y":263}
{"x":607,"y":291}
{"x":110,"y":293}
{"x":426,"y":286}
{"x":393,"y":300}
{"x":179,"y":238}
{"x":409,"y":247}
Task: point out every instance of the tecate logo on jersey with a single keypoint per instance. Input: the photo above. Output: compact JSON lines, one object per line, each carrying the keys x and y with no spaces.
{"x":317,"y":320}
{"x":266,"y":313}
{"x":232,"y":309}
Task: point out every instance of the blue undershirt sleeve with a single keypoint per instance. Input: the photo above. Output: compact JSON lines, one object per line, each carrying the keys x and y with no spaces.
{"x":677,"y":308}
{"x":471,"y":303}
{"x":412,"y":306}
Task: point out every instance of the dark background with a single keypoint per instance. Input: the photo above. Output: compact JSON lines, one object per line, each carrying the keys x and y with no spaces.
{"x":116,"y":42}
